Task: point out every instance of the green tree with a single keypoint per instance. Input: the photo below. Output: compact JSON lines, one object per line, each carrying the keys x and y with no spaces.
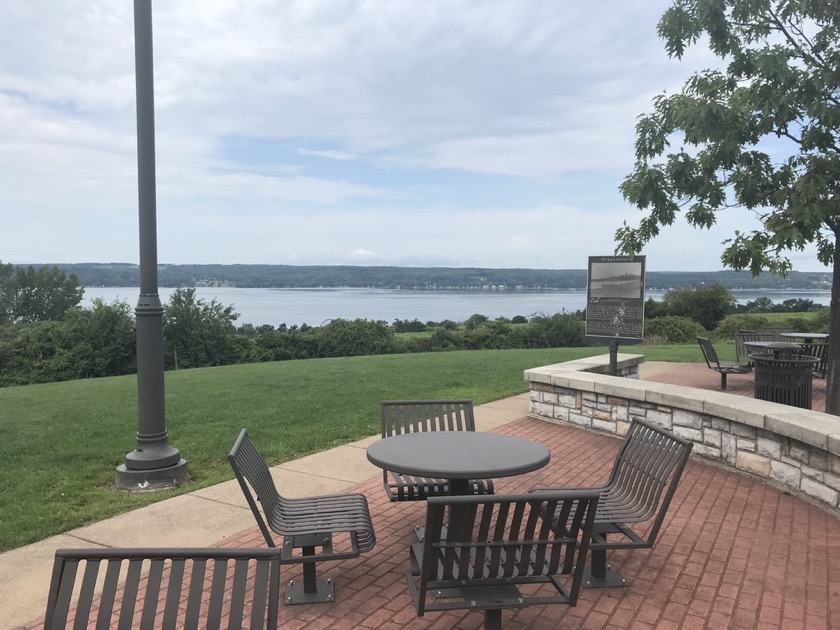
{"x":705,"y":305}
{"x":28,"y":295}
{"x":761,"y":133}
{"x":199,"y":333}
{"x":101,"y":340}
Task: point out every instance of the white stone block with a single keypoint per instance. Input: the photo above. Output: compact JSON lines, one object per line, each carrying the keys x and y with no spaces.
{"x":745,"y":444}
{"x":620,"y":414}
{"x":660,"y":418}
{"x":582,"y":420}
{"x":812,"y":473}
{"x":800,"y":453}
{"x":566,"y":400}
{"x":832,"y":481}
{"x":604,"y":425}
{"x":728,"y":448}
{"x":819,"y":491}
{"x":690,"y":419}
{"x":712,"y":437}
{"x":707,"y":451}
{"x":541,"y":409}
{"x":770,"y":447}
{"x":694,"y":435}
{"x":786,"y":474}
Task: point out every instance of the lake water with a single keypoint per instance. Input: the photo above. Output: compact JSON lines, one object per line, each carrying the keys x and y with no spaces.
{"x":316,"y":306}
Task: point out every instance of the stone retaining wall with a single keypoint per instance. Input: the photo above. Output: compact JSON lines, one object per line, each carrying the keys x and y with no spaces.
{"x":796,"y":448}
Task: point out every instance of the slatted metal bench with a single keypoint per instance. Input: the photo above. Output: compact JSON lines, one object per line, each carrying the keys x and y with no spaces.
{"x":493,"y":545}
{"x":721,"y":367}
{"x":742,"y":353}
{"x":153,"y":589}
{"x":306,"y":524}
{"x":411,"y":416}
{"x":640,"y":488}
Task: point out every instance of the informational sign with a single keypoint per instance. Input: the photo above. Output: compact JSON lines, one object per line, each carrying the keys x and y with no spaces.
{"x":615,"y":298}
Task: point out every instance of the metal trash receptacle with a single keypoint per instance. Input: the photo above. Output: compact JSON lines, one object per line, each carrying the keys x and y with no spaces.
{"x":784,"y":379}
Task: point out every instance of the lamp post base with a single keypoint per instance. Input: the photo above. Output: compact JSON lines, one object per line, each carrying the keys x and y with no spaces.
{"x":152,"y":479}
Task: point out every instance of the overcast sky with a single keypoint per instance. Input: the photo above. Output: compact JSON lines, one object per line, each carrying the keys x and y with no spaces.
{"x":380,"y":132}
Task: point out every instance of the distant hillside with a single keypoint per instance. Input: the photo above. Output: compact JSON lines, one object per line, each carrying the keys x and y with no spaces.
{"x":424,"y":278}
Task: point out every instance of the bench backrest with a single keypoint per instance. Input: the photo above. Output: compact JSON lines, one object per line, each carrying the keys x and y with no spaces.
{"x":709,"y":352}
{"x":252,"y":472}
{"x":164,"y":588}
{"x":411,"y":416}
{"x":742,"y":353}
{"x":645,"y":476}
{"x":506,"y":539}
{"x":774,"y":331}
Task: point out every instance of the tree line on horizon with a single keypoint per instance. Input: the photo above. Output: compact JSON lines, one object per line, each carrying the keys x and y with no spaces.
{"x":418,"y":278}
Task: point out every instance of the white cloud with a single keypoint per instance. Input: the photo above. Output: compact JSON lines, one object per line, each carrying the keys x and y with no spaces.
{"x":462,"y":132}
{"x":332,"y":155}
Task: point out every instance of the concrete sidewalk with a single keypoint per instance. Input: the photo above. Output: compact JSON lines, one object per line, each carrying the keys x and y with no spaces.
{"x":206,"y":517}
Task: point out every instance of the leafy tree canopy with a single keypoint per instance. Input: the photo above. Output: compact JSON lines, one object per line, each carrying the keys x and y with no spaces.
{"x":29,"y":295}
{"x":760,"y":133}
{"x":779,"y":95}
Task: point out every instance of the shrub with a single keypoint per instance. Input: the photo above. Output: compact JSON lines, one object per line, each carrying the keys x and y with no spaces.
{"x":561,"y":330}
{"x":674,"y":329}
{"x":346,"y":338}
{"x":473,"y":321}
{"x":733,"y":323}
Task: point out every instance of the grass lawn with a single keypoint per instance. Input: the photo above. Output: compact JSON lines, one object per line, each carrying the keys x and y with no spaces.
{"x":60,"y":443}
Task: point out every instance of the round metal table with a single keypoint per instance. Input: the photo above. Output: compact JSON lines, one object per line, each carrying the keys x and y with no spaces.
{"x":458,"y":455}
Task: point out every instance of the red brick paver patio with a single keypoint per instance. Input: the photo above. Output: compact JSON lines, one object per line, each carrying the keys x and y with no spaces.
{"x":734,"y":553}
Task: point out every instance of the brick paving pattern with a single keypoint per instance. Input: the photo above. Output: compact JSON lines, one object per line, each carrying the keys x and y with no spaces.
{"x":733,"y":553}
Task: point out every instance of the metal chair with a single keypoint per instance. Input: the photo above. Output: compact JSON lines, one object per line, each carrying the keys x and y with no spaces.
{"x":640,"y":488}
{"x":496,"y":544}
{"x":150,"y":589}
{"x":306,"y":524}
{"x":411,"y":416}
{"x":722,"y":367}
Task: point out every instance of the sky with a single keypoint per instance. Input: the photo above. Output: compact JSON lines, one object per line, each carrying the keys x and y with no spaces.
{"x":451,"y":133}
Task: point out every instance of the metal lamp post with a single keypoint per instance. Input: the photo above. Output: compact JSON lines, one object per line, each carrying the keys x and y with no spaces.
{"x":154,"y":463}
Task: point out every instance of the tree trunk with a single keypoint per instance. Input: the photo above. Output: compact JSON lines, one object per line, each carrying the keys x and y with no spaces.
{"x":832,"y":395}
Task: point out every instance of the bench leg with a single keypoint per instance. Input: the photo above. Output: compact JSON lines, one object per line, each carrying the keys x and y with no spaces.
{"x":599,"y":574}
{"x":493,"y":619}
{"x":310,"y":590}
{"x":723,"y":380}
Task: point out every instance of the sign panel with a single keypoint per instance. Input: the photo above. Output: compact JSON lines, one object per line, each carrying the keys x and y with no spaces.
{"x":615,"y":298}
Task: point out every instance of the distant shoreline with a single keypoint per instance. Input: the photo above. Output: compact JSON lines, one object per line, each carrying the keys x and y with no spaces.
{"x":444,"y":279}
